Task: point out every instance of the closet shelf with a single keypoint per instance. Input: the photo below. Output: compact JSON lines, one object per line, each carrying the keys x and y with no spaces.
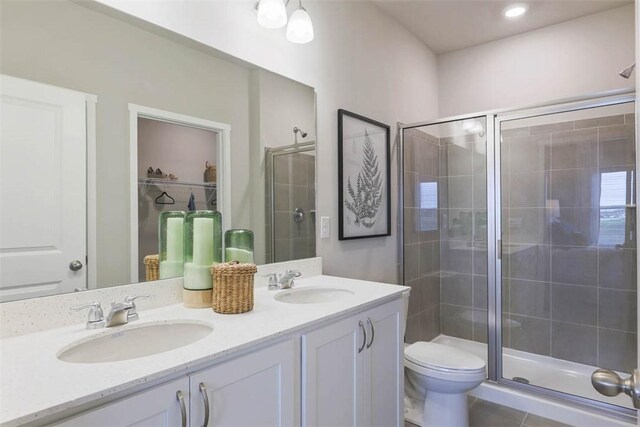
{"x":177,"y":183}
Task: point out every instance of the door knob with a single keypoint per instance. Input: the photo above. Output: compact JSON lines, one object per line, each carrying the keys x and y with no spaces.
{"x":75,"y":265}
{"x":610,"y":384}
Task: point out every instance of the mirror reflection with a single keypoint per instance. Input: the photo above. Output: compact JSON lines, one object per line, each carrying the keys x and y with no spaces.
{"x":105,"y":125}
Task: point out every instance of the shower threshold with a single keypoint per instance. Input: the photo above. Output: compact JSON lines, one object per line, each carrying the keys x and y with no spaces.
{"x":542,"y":371}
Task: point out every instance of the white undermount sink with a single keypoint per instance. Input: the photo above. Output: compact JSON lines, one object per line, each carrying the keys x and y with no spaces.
{"x":312,"y":295}
{"x":131,"y":342}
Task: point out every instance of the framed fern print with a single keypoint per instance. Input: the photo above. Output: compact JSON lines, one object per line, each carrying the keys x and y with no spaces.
{"x":364,"y":177}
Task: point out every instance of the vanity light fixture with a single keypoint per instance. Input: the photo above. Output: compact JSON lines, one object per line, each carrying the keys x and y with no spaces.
{"x":300,"y":28}
{"x":272,"y":13}
{"x":515,"y":10}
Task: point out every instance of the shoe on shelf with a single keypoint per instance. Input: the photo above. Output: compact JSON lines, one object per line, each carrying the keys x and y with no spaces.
{"x":151,"y":173}
{"x":172,"y":177}
{"x":160,"y":174}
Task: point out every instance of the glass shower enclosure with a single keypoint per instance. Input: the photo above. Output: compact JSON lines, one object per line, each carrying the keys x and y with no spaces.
{"x":291,"y":211}
{"x":519,"y":243}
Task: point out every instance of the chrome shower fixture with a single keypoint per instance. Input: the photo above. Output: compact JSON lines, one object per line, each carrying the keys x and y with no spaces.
{"x":300,"y":131}
{"x":626,"y":73}
{"x":296,"y":131}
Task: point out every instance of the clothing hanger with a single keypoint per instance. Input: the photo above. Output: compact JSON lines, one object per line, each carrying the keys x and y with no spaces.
{"x":171,"y":201}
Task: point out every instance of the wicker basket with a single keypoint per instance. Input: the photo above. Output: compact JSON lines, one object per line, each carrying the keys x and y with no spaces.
{"x":233,"y":287}
{"x":152,"y":267}
{"x":210,"y":173}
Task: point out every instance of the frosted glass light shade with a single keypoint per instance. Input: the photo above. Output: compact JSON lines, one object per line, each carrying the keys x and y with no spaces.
{"x":272,"y":13}
{"x":300,"y":28}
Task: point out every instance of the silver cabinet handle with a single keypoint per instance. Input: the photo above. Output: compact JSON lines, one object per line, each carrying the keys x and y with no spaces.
{"x":205,"y":398}
{"x":373,"y":332}
{"x":610,"y":384}
{"x":183,"y":409}
{"x":75,"y":265}
{"x":364,"y":336}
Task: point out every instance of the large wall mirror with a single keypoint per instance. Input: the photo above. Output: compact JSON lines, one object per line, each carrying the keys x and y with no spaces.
{"x":107,"y":123}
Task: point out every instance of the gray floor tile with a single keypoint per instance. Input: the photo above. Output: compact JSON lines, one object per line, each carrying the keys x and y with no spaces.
{"x":537,"y":421}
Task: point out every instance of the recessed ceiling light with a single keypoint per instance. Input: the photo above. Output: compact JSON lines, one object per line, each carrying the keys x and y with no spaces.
{"x":515,"y":10}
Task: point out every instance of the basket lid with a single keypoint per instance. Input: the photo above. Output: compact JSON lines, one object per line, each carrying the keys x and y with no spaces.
{"x":234,"y":267}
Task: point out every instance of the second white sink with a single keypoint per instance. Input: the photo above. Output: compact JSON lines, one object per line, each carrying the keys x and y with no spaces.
{"x":133,"y":342}
{"x":312,"y":295}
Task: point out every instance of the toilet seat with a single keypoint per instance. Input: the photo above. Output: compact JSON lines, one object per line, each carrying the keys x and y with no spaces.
{"x":444,"y":362}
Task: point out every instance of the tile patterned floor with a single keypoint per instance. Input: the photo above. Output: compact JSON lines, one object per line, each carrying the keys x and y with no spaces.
{"x":487,"y":414}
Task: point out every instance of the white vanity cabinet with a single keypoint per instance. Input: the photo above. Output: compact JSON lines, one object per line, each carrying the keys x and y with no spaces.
{"x":157,"y":407}
{"x":259,"y":389}
{"x":352,"y":370}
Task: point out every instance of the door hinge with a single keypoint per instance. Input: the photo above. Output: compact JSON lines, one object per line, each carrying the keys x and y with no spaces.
{"x":499,"y":248}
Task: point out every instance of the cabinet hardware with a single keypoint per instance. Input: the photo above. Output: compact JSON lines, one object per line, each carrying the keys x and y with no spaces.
{"x":373,"y":332}
{"x":364,"y":336}
{"x":183,"y":409}
{"x":205,"y":399}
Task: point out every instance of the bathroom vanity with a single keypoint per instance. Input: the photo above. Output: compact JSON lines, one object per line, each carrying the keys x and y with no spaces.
{"x":338,"y":339}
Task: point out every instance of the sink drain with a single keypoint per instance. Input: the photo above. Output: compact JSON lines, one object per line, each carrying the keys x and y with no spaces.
{"x":521,"y":380}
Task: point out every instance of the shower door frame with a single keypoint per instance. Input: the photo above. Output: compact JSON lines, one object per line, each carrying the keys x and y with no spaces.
{"x":270,"y":153}
{"x":493,"y":119}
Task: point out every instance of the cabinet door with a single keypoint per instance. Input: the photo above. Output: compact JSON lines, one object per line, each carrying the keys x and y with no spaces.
{"x":383,"y":366}
{"x":332,"y":375}
{"x":258,"y":389}
{"x":158,"y":407}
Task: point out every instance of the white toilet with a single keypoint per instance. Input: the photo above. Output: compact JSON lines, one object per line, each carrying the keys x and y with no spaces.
{"x":441,"y":376}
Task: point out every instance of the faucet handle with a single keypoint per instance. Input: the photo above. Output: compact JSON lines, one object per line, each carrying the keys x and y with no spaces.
{"x":133,"y":314}
{"x":96,"y":316}
{"x":273,"y":280}
{"x":294,"y":273}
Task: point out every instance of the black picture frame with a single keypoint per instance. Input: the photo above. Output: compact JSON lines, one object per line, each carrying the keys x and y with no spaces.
{"x":352,"y":225}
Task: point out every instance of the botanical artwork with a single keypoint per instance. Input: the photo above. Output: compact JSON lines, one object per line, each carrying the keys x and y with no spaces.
{"x":364,"y":177}
{"x":365,"y":201}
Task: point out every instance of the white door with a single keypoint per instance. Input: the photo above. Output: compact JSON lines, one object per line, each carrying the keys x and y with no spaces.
{"x":383,"y":367}
{"x":42,"y":189}
{"x":251,"y":391}
{"x":163,"y":406}
{"x":332,"y":375}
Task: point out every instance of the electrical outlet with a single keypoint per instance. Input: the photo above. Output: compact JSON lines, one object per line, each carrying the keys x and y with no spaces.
{"x":325,"y":227}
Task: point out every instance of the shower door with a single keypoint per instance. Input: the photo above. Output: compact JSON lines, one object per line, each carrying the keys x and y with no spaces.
{"x":566,"y":267}
{"x":291,"y":211}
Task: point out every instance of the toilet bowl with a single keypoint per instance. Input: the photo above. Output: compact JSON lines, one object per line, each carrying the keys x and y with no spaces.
{"x":439,"y":377}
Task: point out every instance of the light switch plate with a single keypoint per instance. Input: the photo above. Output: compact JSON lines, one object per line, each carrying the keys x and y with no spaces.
{"x":325,"y":227}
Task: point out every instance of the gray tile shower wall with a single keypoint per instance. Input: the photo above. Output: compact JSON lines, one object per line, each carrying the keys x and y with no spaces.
{"x":445,"y":235}
{"x":294,"y":187}
{"x":569,"y":254}
{"x":421,"y":235}
{"x":463,"y":236}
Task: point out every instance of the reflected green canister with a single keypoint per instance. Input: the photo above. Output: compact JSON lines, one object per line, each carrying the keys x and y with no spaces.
{"x":171,"y":243}
{"x":238,"y":245}
{"x":202,"y":248}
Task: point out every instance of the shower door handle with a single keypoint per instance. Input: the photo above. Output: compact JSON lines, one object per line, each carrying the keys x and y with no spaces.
{"x":610,"y":384}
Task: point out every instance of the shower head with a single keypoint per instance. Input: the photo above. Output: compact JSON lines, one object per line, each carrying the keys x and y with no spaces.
{"x":626,"y":73}
{"x":297,"y":130}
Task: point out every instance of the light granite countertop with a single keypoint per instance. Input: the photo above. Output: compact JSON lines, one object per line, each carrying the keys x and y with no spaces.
{"x":36,"y":386}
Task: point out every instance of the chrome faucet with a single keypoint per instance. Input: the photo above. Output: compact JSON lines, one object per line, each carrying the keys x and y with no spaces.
{"x":282,"y":281}
{"x":119,"y":314}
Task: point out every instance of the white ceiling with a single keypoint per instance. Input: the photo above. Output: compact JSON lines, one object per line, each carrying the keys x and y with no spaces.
{"x":448,"y":25}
